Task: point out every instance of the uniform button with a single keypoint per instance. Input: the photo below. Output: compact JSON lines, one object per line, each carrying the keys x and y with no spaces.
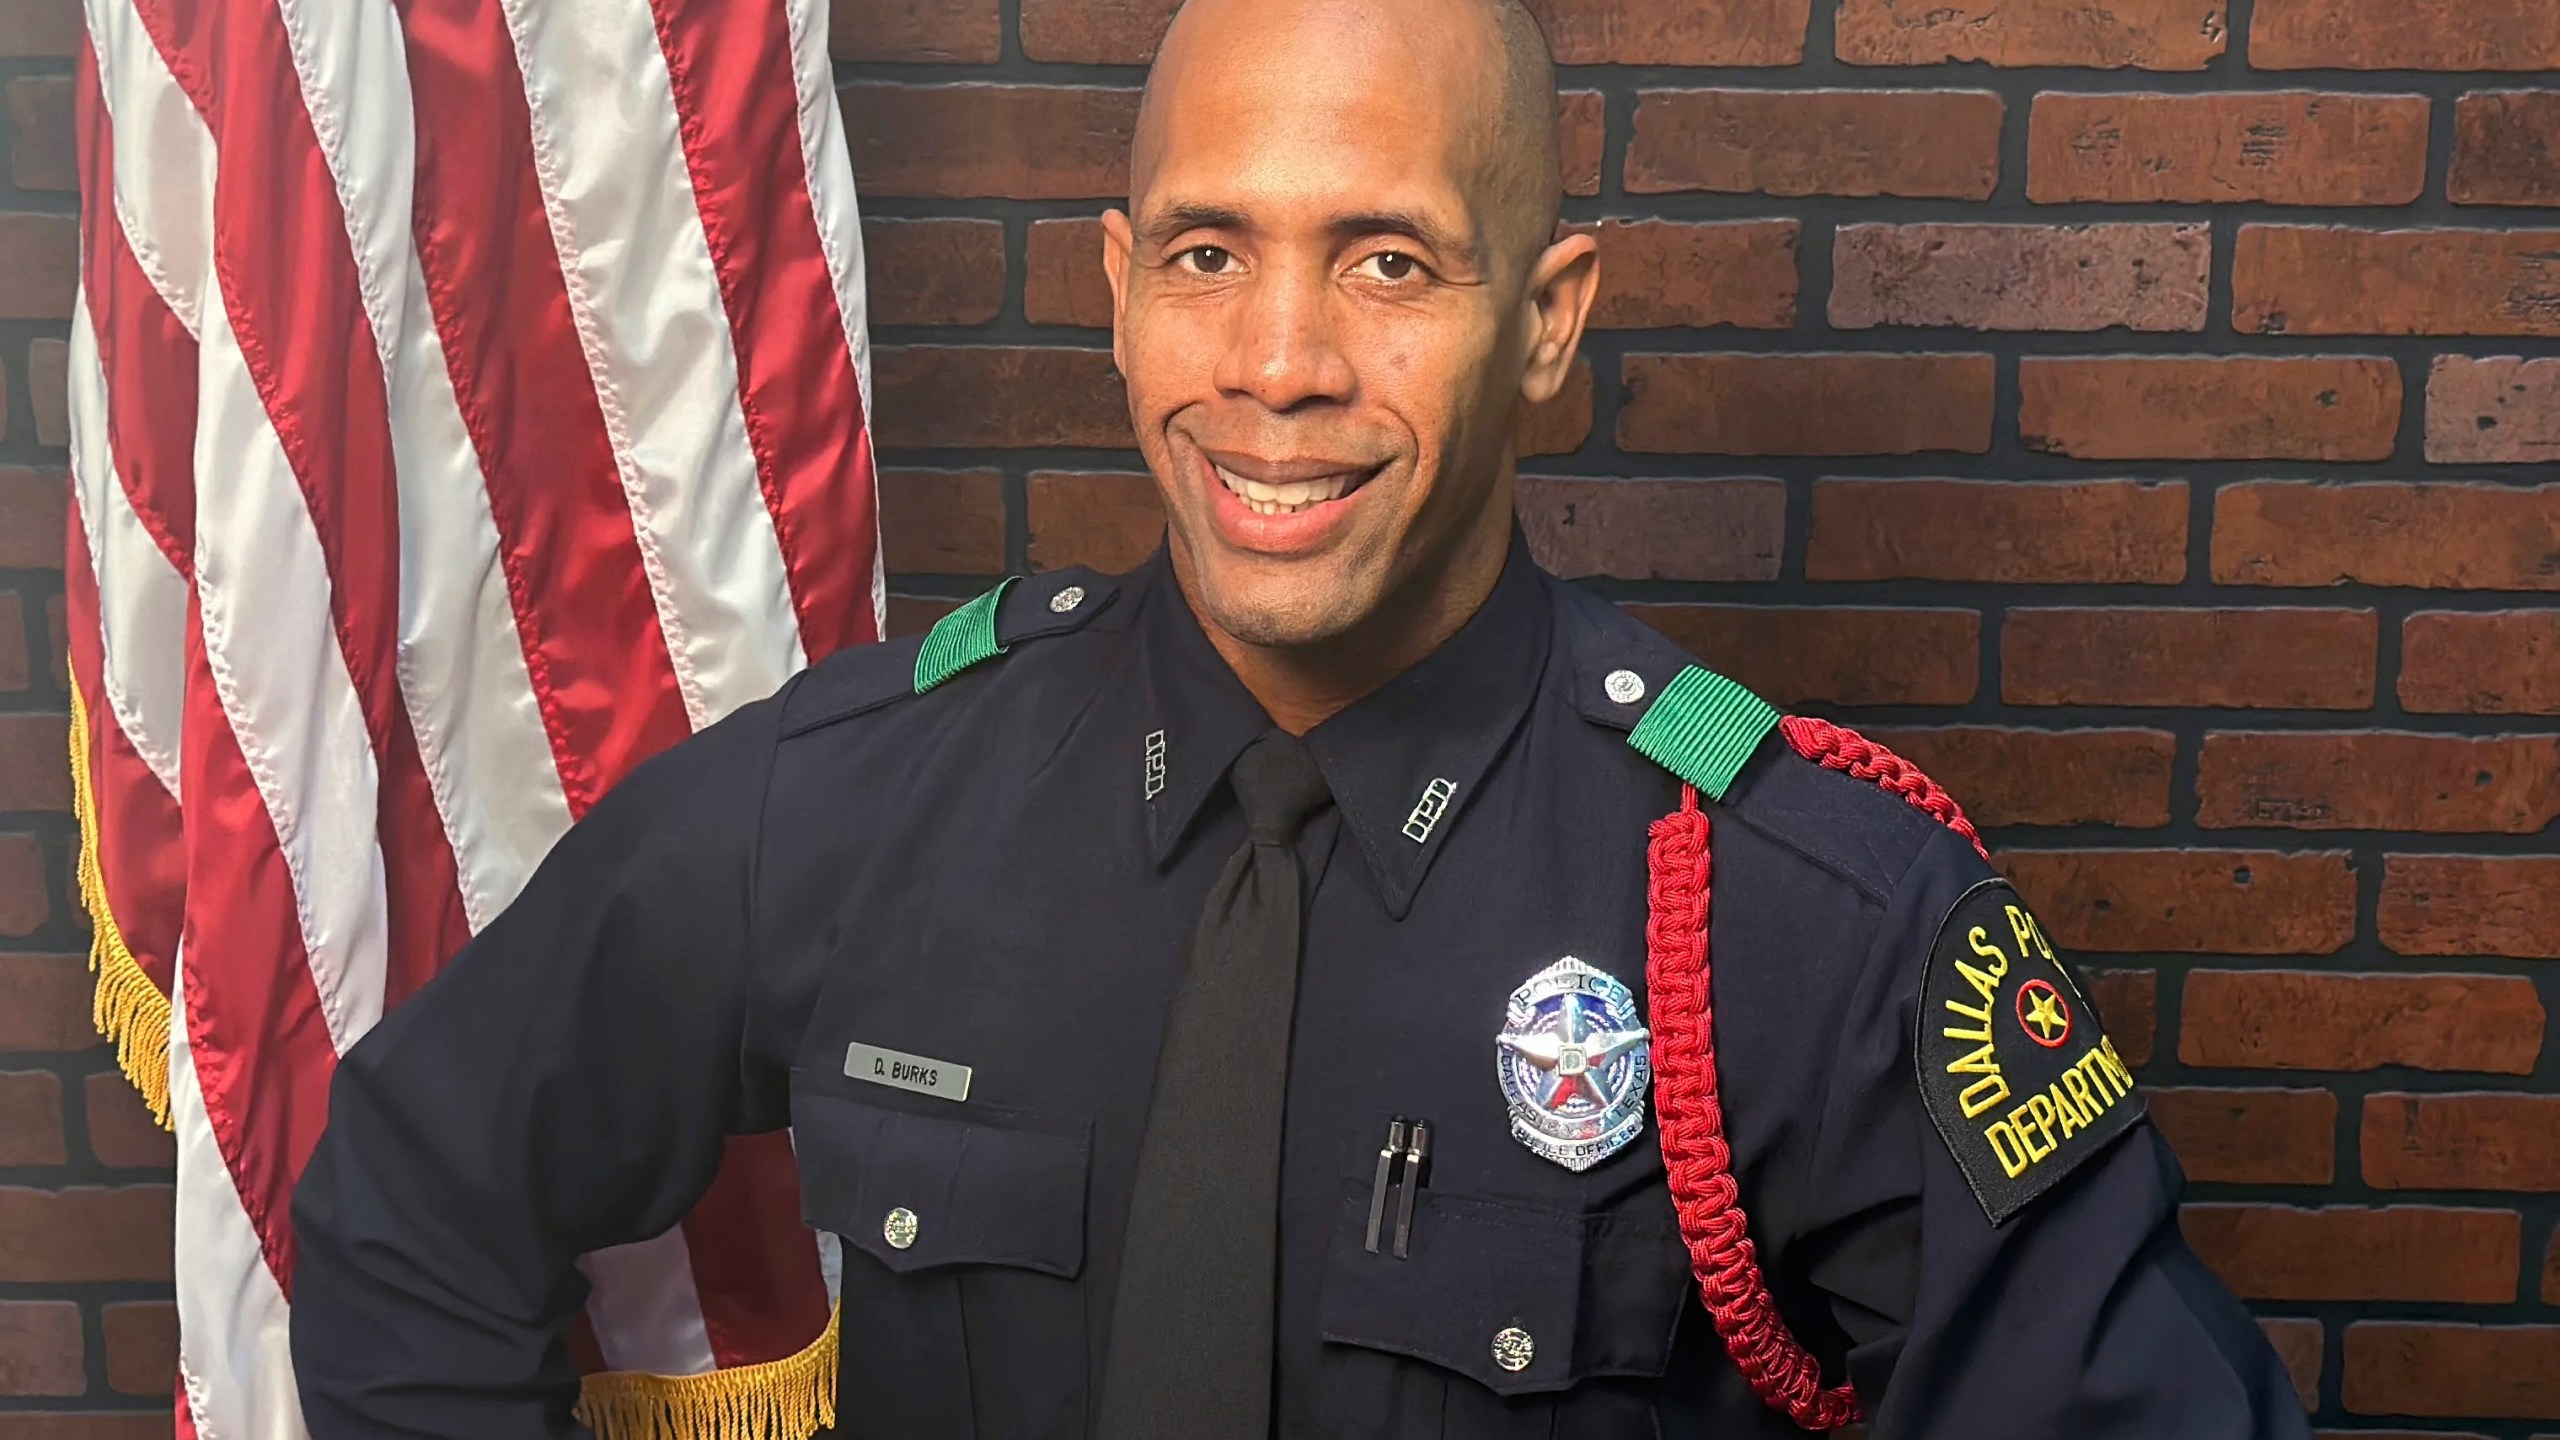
{"x":1513,"y":1349}
{"x":900,"y":1228}
{"x":1067,"y":599}
{"x":1624,"y":686}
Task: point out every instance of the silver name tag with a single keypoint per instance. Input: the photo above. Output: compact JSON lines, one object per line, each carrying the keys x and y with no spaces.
{"x":907,"y":1072}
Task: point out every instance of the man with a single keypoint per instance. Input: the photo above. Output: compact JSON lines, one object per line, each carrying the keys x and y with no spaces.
{"x":1226,"y":1000}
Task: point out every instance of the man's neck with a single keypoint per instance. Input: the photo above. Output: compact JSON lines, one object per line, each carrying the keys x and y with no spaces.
{"x":1301,"y":687}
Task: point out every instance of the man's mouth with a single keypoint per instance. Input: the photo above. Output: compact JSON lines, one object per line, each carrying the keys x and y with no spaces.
{"x":1285,"y":487}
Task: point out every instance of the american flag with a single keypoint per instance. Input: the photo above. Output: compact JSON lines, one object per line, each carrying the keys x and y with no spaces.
{"x":469,"y":400}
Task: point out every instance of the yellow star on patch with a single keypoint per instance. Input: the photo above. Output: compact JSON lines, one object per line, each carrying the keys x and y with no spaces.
{"x":2044,"y":1011}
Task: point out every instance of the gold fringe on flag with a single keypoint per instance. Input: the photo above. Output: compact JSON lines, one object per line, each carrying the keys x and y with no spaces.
{"x":785,"y":1399}
{"x":128,"y":1008}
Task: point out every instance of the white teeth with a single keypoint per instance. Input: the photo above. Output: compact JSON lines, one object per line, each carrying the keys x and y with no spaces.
{"x":1286,"y":498}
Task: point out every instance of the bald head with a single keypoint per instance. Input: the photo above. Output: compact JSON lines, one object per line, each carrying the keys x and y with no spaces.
{"x":1485,"y":62}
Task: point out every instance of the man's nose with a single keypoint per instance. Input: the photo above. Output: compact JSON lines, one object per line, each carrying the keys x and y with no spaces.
{"x":1283,"y":350}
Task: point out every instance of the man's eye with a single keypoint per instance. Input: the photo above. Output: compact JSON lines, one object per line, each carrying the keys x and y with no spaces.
{"x":1391,"y":265}
{"x":1204,"y":259}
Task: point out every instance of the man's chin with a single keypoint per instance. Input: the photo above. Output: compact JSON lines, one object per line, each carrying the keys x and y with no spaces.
{"x":1295,"y":611}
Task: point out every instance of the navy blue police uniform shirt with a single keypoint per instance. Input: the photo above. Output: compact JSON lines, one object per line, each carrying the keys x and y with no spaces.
{"x":1000,"y":874}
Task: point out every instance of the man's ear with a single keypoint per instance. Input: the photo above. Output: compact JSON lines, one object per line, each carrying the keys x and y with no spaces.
{"x":1562,"y":283}
{"x":1115,"y":263}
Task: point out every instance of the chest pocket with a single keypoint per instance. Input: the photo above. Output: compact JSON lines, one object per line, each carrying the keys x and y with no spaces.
{"x":963,"y":1243}
{"x":1526,"y":1322}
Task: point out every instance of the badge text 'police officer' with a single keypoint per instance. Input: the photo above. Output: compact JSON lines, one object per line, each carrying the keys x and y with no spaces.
{"x":1575,"y":1064}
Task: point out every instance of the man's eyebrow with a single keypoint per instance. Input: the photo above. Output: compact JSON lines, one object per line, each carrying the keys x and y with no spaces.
{"x":1405,"y":222}
{"x":1184,"y":215}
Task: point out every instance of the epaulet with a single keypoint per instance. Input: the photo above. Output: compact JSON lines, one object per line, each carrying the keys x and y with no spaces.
{"x":863,"y":678}
{"x":1702,"y":727}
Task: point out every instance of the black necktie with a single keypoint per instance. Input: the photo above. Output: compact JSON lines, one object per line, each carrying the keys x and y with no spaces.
{"x":1190,"y":1350}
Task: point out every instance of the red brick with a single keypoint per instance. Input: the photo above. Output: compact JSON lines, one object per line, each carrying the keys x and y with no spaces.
{"x":2286,"y":147}
{"x":44,"y":1001}
{"x":1656,"y":529}
{"x":2039,"y":532}
{"x":2497,"y":411}
{"x":1845,"y":655}
{"x":40,"y":29}
{"x":43,"y":265}
{"x":41,"y":152}
{"x":1916,"y":143}
{"x":2298,"y":1344}
{"x":1002,"y":397}
{"x":2177,"y":407}
{"x":1663,"y":273}
{"x":934,"y":272}
{"x":2135,"y":34}
{"x":31,"y":1119}
{"x":2433,"y":535}
{"x":2471,"y":905}
{"x":2005,"y":776}
{"x":1583,"y":117}
{"x":1562,"y":423}
{"x":35,"y":768}
{"x":142,"y":1346}
{"x":2228,"y":902}
{"x":87,"y":1425}
{"x":2128,"y":1002}
{"x":2021,"y":277}
{"x":1094,"y":32}
{"x":2250,"y":1137}
{"x":24,"y":906}
{"x":122,"y":1133}
{"x":2379,"y":780}
{"x":2329,"y":280}
{"x":2322,"y":1020}
{"x":942,"y":522}
{"x":2506,"y":148}
{"x":2404,"y":35}
{"x":14,"y":668}
{"x":1015,"y":142}
{"x":34,"y":507}
{"x":2396,"y":1367}
{"x":47,"y":385}
{"x":1721,"y":404}
{"x":1111,"y":522}
{"x":2480,"y":1141}
{"x":915,"y":614}
{"x":1063,"y":282}
{"x":946,"y":32}
{"x":2283,"y":659}
{"x":1634,"y":32}
{"x":2400,"y":1252}
{"x":2502,"y":662}
{"x":50,"y":1237}
{"x":41,"y":1349}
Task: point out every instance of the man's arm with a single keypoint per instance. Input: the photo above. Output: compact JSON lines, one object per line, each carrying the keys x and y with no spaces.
{"x":1979,"y":1085}
{"x":564,"y":1085}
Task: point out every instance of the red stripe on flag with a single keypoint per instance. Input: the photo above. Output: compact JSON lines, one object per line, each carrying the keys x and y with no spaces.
{"x":261,"y":1046}
{"x":142,"y":853}
{"x":754,"y":1265}
{"x":592,"y":643}
{"x":739,"y":114}
{"x":289,"y":284}
{"x":148,"y":356}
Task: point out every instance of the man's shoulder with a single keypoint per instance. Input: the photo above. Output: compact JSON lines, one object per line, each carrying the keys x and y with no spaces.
{"x":965,"y":656}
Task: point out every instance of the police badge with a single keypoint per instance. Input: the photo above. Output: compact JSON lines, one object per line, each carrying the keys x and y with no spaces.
{"x":1575,"y":1064}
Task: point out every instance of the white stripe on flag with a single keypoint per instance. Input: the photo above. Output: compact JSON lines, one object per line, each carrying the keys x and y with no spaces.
{"x":657,"y":340}
{"x":164,"y":161}
{"x":652,"y":1318}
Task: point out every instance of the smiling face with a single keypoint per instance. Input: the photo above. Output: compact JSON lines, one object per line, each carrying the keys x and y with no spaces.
{"x":1334,"y":292}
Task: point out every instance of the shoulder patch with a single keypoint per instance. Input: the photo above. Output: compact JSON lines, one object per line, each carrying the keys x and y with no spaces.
{"x":2014,"y":1071}
{"x":960,"y":639}
{"x":1702,"y":728}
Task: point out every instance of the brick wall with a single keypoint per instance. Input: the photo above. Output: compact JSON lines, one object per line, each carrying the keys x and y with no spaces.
{"x":88,"y":1338}
{"x":2130,"y":411}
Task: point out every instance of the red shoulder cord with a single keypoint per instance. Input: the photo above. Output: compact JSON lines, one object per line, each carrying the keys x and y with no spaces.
{"x":1780,"y":1370}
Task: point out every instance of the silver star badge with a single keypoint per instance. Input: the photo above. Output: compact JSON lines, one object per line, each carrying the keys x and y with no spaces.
{"x":1575,"y":1064}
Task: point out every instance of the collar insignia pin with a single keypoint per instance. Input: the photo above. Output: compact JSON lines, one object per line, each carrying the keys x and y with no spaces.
{"x":1575,"y":1063}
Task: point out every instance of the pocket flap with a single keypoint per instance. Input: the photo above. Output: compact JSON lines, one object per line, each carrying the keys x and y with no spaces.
{"x":1593,"y":1294}
{"x":974,"y":1190}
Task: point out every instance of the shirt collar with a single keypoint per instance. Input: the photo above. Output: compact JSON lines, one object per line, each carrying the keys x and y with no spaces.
{"x":1403,"y":762}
